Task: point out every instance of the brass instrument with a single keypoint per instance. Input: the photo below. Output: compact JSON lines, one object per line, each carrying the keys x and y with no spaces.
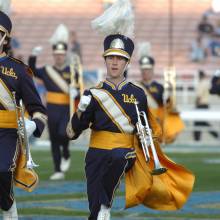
{"x":170,"y":87}
{"x":75,"y":65}
{"x":145,"y":136}
{"x":25,"y":177}
{"x":72,"y":85}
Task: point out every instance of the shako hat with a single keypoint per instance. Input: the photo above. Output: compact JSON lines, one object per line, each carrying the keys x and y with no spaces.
{"x":59,"y":39}
{"x":119,"y":45}
{"x":146,"y":62}
{"x":5,"y":24}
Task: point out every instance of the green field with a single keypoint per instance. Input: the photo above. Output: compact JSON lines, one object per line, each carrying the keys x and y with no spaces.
{"x":207,"y":174}
{"x":207,"y":180}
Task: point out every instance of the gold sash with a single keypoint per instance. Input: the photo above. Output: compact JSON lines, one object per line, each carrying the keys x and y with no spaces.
{"x":114,"y":140}
{"x":57,"y":98}
{"x":8,"y":119}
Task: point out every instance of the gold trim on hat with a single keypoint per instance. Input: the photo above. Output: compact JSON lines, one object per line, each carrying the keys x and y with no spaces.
{"x":4,"y":30}
{"x":118,"y":52}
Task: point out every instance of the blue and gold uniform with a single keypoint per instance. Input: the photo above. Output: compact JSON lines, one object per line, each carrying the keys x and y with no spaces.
{"x":162,"y":109}
{"x":57,"y":83}
{"x":109,"y":110}
{"x":114,"y":150}
{"x":16,"y":77}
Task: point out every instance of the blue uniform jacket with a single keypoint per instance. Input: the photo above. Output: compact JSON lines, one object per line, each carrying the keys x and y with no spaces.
{"x":97,"y":119}
{"x":58,"y":114}
{"x":156,"y":90}
{"x":16,"y":76}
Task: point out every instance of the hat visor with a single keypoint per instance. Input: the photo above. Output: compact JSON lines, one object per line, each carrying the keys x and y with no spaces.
{"x":59,"y":51}
{"x":116,"y":52}
{"x":147,"y":66}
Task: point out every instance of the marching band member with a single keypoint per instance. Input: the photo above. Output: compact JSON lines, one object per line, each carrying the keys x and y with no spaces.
{"x":57,"y":80}
{"x":109,"y":110}
{"x":16,"y":77}
{"x":159,"y":105}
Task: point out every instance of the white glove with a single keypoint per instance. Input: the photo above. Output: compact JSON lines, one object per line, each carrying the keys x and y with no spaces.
{"x":73,"y":93}
{"x":84,"y":102}
{"x":30,"y":127}
{"x":37,"y":50}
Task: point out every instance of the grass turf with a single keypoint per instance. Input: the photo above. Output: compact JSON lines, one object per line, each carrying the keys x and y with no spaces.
{"x":207,"y":179}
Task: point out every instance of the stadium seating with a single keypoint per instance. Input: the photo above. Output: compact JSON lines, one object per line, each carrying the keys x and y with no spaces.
{"x":35,"y":21}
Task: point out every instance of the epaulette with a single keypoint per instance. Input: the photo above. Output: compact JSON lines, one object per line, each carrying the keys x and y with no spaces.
{"x":16,"y":60}
{"x":137,"y":85}
{"x":99,"y":86}
{"x":29,"y":70}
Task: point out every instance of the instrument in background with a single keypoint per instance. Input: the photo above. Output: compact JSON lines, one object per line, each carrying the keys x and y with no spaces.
{"x":145,"y":136}
{"x":75,"y":65}
{"x":25,"y":177}
{"x":170,"y":88}
{"x":72,"y":85}
{"x":80,"y":72}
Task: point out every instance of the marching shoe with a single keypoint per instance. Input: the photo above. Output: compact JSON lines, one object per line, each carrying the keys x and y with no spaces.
{"x":57,"y":176}
{"x":11,"y":214}
{"x":65,"y":164}
{"x":104,"y":213}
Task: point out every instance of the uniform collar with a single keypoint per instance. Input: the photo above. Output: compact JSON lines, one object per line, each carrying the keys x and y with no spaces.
{"x":116,"y":87}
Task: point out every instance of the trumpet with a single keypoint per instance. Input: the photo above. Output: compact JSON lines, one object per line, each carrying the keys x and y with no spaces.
{"x":22,"y":133}
{"x":146,"y":140}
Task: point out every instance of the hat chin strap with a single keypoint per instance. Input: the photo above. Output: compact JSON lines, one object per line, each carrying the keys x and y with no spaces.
{"x":126,"y":65}
{"x":2,"y":40}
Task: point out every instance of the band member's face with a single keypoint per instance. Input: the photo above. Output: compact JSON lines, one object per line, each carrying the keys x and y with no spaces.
{"x":115,"y":66}
{"x":147,"y":74}
{"x":59,"y":59}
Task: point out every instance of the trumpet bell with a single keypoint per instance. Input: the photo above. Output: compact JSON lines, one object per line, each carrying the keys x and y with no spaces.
{"x":159,"y":171}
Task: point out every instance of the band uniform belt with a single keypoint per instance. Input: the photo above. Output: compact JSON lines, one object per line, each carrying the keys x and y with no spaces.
{"x":57,"y":98}
{"x":8,"y":119}
{"x":110,"y":140}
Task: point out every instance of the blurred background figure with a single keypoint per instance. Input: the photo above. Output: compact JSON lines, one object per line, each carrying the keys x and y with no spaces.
{"x":160,"y":101}
{"x":198,"y":50}
{"x":205,"y":28}
{"x":57,"y":79}
{"x":215,"y":83}
{"x":202,"y":102}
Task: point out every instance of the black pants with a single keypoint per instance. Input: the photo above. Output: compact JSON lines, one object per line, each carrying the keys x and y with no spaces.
{"x":6,"y":190}
{"x":104,"y":169}
{"x":57,"y":122}
{"x":59,"y":149}
{"x":197,"y":133}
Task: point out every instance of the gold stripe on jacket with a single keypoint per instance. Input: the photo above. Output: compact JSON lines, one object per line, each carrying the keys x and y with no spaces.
{"x":8,"y":119}
{"x":109,"y":140}
{"x":57,"y":98}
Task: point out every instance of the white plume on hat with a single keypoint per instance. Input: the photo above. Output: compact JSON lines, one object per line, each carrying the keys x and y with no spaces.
{"x":117,"y":19}
{"x":61,"y":34}
{"x":5,"y":6}
{"x":144,"y":49}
